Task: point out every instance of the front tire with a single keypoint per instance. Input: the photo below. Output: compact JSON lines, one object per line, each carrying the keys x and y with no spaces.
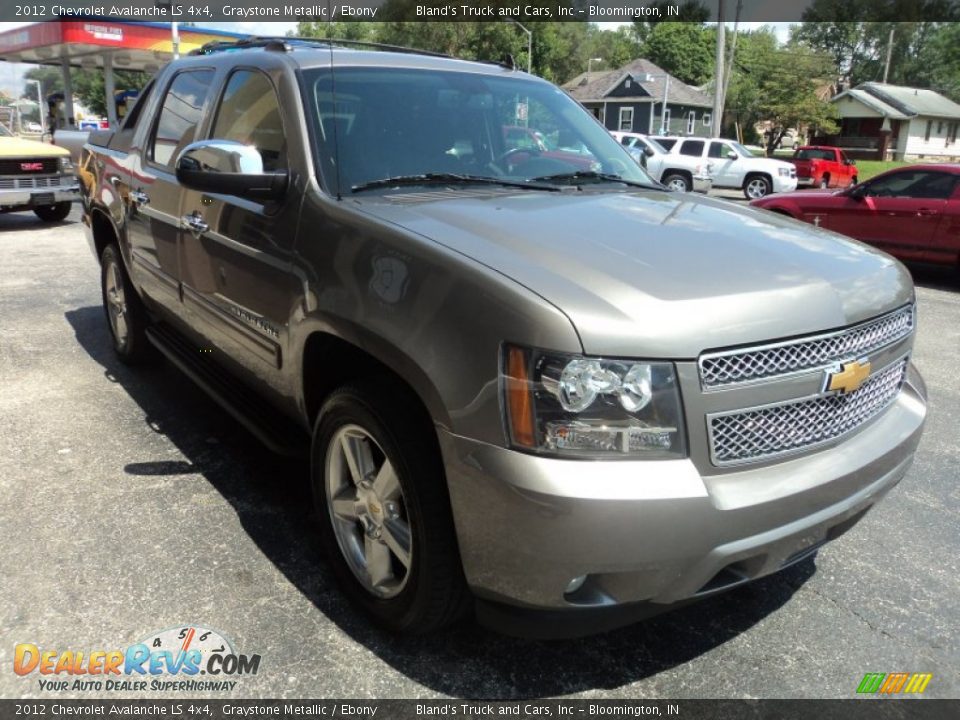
{"x":757,"y":186}
{"x":53,"y":213}
{"x":385,"y":522}
{"x":677,"y":182}
{"x":127,"y":318}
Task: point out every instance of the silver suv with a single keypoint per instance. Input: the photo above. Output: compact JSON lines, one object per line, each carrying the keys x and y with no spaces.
{"x":533,"y":382}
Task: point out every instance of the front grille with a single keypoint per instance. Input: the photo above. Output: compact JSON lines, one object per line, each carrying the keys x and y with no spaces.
{"x":17,"y":167}
{"x":33,"y":183}
{"x":765,"y":432}
{"x":730,"y":367}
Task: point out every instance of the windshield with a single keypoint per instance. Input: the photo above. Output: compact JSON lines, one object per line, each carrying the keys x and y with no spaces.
{"x":741,"y":150}
{"x":391,"y":122}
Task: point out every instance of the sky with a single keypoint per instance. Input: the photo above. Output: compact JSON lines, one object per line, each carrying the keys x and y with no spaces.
{"x":11,"y":74}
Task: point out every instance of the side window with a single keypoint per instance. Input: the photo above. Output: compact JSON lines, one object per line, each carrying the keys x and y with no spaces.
{"x":179,"y":116}
{"x":693,"y":148}
{"x":249,"y":113}
{"x":130,"y":121}
{"x":913,"y":184}
{"x":718,"y":150}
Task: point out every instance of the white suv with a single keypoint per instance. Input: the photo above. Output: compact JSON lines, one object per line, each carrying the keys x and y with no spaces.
{"x":675,"y":171}
{"x":733,"y":166}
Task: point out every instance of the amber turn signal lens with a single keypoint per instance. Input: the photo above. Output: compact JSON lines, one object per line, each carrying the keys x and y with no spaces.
{"x":519,"y":398}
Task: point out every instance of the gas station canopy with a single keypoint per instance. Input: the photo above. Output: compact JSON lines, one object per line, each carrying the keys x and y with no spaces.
{"x":88,"y":43}
{"x":103,"y":44}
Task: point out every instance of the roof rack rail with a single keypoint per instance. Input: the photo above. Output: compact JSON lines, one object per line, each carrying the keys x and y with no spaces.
{"x":286,"y":44}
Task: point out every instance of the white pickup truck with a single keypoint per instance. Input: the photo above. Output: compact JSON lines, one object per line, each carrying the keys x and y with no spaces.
{"x":734,"y":166}
{"x":675,"y":171}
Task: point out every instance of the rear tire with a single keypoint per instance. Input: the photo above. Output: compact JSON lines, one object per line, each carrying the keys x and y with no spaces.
{"x":53,"y":213}
{"x":126,"y":315}
{"x":677,"y":182}
{"x":384,"y":512}
{"x":824,"y":182}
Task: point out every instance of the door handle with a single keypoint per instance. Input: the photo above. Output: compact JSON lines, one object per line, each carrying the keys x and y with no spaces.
{"x":139,"y":197}
{"x":195,"y":223}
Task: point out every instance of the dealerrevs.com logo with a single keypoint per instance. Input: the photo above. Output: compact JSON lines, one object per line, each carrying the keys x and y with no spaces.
{"x":188,"y":658}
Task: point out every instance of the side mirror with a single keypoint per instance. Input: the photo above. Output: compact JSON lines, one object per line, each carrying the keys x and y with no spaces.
{"x":731,"y":155}
{"x":648,"y":151}
{"x":230,"y":168}
{"x":856,"y":192}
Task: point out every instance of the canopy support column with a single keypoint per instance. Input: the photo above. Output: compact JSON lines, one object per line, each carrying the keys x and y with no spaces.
{"x":110,"y":90}
{"x":70,"y":119}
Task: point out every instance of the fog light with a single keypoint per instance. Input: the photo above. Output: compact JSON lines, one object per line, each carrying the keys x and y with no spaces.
{"x":575,"y":584}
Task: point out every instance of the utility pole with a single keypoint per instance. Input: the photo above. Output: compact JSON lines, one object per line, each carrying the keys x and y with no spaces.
{"x":886,"y":67}
{"x":718,"y":78}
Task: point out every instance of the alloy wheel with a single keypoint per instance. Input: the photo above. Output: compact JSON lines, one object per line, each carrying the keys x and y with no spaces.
{"x":368,"y":511}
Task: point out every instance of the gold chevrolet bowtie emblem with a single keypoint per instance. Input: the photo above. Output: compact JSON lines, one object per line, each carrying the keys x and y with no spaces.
{"x":848,"y":377}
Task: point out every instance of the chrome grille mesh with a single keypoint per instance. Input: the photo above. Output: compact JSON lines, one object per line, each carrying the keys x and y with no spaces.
{"x":33,"y":183}
{"x":736,"y":366}
{"x":760,"y":433}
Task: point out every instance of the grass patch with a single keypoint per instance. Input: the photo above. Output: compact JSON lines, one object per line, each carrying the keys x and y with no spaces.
{"x":867,"y":169}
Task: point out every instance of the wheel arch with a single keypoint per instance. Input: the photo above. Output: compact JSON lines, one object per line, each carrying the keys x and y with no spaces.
{"x":332,"y":357}
{"x":103,"y":230}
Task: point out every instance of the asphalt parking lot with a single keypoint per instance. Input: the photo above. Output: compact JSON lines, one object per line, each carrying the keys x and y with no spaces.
{"x":131,"y":503}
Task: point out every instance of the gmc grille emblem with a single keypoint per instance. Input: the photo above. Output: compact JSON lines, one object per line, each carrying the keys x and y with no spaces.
{"x":31,"y":166}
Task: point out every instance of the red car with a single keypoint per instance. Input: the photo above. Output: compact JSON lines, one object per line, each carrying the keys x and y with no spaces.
{"x":824,"y":167}
{"x":912,"y":212}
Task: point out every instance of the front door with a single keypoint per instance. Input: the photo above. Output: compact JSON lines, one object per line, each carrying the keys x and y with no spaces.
{"x":153,"y":195}
{"x":236,"y":253}
{"x":725,"y":171}
{"x":898,"y":212}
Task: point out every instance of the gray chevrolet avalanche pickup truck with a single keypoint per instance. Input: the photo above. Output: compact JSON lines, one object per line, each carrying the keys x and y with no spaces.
{"x":562,"y":398}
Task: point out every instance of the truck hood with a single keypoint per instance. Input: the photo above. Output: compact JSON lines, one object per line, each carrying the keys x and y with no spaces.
{"x":660,"y":274}
{"x":20,"y":148}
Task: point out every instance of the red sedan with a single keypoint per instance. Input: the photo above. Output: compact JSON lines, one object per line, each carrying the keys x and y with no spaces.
{"x":912,"y":212}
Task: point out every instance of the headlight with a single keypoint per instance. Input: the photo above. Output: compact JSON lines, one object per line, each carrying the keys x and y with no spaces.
{"x":575,"y":406}
{"x":784,"y":172}
{"x":66,"y":165}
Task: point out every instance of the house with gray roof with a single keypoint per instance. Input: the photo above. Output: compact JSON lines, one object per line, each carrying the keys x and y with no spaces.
{"x":631,"y":99}
{"x":879,"y":121}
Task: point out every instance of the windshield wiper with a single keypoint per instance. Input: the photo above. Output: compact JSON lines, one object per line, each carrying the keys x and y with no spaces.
{"x":449,"y":179}
{"x":595,"y":176}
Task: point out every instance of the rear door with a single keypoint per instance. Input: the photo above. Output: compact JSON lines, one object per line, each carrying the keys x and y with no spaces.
{"x":153,"y":195}
{"x":238,"y":286}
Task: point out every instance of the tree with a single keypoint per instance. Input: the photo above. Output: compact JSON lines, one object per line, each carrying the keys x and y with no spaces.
{"x":337,"y":30}
{"x":856,"y":34}
{"x":781,"y":86}
{"x":685,"y":50}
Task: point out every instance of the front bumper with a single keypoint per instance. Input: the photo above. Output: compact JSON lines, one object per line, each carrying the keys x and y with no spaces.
{"x":27,"y":193}
{"x":658,"y":533}
{"x":784,"y":184}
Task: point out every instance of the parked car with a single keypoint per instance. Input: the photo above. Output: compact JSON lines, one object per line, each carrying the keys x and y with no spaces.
{"x":677,"y":174}
{"x":36,"y":176}
{"x":912,"y":212}
{"x":735,"y":167}
{"x":560,"y":398}
{"x":824,"y":167}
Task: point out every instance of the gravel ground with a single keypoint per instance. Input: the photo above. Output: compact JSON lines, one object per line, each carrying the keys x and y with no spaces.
{"x":131,"y":503}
